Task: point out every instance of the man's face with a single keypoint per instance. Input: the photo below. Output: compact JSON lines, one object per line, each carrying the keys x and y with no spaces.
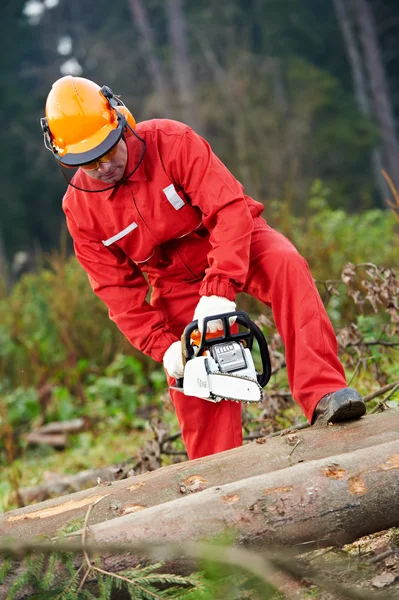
{"x":113,"y":169}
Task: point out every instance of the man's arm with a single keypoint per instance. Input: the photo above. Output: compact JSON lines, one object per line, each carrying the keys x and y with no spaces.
{"x":220,"y":197}
{"x":121,"y":286}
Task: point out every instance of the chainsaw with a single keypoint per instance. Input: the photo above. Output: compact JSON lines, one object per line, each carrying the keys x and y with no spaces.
{"x":222,"y":368}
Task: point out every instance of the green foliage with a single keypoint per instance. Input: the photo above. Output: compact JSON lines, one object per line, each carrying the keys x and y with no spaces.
{"x":52,"y":320}
{"x":337,"y":236}
{"x":48,"y":580}
{"x":273,"y":90}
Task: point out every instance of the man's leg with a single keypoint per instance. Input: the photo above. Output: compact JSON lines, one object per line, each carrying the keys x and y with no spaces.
{"x":207,"y":427}
{"x":279,"y":276}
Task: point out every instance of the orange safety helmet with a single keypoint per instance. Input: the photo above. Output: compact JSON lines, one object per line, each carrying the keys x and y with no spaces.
{"x":83,"y":121}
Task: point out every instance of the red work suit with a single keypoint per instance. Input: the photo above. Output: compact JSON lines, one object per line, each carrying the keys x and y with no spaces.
{"x":185,"y":221}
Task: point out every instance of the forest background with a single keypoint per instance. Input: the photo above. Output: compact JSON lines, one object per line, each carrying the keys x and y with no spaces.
{"x":299,"y":98}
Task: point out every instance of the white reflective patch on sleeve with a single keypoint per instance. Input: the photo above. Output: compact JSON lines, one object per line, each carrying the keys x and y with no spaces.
{"x":120,"y":235}
{"x":173,"y":197}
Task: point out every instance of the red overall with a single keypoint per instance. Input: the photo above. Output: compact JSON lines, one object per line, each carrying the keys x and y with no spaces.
{"x":184,"y":221}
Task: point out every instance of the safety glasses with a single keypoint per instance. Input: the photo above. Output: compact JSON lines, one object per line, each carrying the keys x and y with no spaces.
{"x":92,"y":166}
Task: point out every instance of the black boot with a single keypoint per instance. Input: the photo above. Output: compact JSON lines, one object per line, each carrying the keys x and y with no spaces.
{"x":343,"y":405}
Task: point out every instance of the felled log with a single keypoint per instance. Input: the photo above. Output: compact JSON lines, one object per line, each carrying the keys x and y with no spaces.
{"x":68,"y":484}
{"x":175,"y":481}
{"x":56,"y":440}
{"x":71,"y":426}
{"x":325,"y":502}
{"x":55,"y":434}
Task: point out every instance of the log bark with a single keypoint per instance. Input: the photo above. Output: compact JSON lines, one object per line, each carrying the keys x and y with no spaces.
{"x":56,"y":440}
{"x":68,"y":484}
{"x":326,"y":502}
{"x":171,"y":482}
{"x":67,"y":427}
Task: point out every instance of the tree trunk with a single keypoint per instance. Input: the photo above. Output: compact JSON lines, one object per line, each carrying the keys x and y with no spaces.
{"x":379,"y":87}
{"x":235,"y":107}
{"x":140,"y":17}
{"x":171,"y":482}
{"x":182,"y":70}
{"x":360,"y":88}
{"x":332,"y":501}
{"x":4,"y":275}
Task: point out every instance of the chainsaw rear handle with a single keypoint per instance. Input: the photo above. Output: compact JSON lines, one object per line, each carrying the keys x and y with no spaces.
{"x":241,"y":318}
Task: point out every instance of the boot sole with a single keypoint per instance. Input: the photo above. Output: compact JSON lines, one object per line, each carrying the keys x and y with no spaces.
{"x":354,"y":409}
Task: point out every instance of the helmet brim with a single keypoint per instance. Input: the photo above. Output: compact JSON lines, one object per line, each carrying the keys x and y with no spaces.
{"x":78,"y":159}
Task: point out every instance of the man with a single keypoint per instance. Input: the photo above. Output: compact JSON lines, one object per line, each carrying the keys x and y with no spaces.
{"x":154,"y":199}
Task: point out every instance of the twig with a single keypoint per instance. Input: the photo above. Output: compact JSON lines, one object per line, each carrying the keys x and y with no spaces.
{"x":381,"y":403}
{"x":380,"y":392}
{"x":290,"y":454}
{"x":91,"y":567}
{"x":383,"y":555}
{"x":372,"y":343}
{"x":171,"y":438}
{"x":289,"y":430}
{"x":71,"y":582}
{"x":127,"y":580}
{"x":83,"y":581}
{"x":361,"y":360}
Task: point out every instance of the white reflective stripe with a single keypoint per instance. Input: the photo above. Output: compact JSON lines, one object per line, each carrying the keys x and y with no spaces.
{"x":173,"y":197}
{"x":120,"y":235}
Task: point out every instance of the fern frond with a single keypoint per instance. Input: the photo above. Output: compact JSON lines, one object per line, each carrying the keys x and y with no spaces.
{"x":4,"y":569}
{"x":21,"y":582}
{"x":165,"y":578}
{"x":105,"y":584}
{"x":67,"y":561}
{"x":138,"y":571}
{"x":49,"y":576}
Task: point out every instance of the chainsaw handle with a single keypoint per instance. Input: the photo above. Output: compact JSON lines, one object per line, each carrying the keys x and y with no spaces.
{"x":263,"y":377}
{"x":242,"y":318}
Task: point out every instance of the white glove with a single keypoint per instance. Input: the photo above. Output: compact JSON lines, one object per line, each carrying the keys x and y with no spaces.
{"x":172,"y":360}
{"x":213,"y":305}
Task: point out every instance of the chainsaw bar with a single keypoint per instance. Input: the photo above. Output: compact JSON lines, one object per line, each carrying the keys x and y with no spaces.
{"x":224,"y":396}
{"x":231,"y":376}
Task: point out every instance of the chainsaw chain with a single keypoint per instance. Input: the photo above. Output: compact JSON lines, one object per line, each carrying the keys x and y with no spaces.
{"x":237,"y":377}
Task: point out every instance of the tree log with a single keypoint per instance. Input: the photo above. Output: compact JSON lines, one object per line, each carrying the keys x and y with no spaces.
{"x":171,"y":482}
{"x":326,"y":502}
{"x":68,"y":484}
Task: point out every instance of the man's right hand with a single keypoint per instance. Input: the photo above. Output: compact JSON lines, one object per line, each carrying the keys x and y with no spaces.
{"x":173,"y":361}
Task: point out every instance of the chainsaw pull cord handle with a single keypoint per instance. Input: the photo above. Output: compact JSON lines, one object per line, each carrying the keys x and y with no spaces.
{"x":252,"y":332}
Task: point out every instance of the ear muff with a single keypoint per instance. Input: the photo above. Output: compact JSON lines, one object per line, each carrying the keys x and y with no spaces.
{"x":118,"y":105}
{"x":125,"y":112}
